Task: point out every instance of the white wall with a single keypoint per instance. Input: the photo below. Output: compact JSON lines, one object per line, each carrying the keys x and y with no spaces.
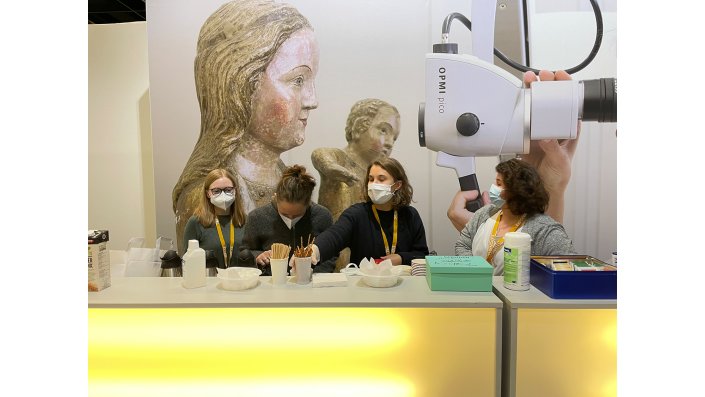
{"x":561,"y":35}
{"x":120,"y":182}
{"x":377,"y":54}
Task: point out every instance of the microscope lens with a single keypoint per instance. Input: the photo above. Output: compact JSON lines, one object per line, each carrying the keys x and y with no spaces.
{"x":600,"y":100}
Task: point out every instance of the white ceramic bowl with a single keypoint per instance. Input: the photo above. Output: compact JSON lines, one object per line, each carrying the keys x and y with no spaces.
{"x":381,"y":281}
{"x":238,"y":278}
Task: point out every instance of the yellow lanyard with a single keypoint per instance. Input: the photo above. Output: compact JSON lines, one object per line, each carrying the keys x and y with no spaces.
{"x":222,"y":240}
{"x":496,"y":243}
{"x":384,"y":236}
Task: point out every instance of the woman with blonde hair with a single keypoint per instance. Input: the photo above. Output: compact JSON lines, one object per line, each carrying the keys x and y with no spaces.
{"x":218,"y":221}
{"x":255,"y":67}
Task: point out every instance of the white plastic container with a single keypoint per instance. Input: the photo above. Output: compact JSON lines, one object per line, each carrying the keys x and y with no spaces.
{"x":238,"y":278}
{"x":517,"y":254}
{"x":194,"y":266}
{"x":381,"y":280}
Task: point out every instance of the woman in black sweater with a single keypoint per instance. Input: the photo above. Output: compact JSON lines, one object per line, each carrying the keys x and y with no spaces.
{"x":385,"y":226}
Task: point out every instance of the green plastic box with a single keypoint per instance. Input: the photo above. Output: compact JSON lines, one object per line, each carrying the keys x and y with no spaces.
{"x":458,"y":273}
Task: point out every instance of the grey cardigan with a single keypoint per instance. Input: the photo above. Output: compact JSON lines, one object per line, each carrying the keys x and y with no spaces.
{"x":548,"y":237}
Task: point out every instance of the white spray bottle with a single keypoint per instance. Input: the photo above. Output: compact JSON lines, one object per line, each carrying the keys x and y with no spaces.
{"x":194,"y":266}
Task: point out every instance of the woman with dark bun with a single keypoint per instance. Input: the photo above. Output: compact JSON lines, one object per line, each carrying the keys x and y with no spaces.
{"x":290,"y":218}
{"x":518,"y":202}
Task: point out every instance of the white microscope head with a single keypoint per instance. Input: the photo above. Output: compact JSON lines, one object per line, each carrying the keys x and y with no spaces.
{"x":474,"y":108}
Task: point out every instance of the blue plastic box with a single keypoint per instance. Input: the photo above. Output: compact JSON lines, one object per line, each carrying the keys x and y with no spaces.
{"x":573,"y":284}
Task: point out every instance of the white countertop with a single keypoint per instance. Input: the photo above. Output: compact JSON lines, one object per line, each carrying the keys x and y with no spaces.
{"x":534,"y":298}
{"x":411,"y":291}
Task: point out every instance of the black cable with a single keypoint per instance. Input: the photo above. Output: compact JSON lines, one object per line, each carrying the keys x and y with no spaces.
{"x":456,"y":15}
{"x":518,"y":66}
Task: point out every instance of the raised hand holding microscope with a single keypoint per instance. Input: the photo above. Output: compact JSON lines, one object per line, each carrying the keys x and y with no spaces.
{"x":474,"y":108}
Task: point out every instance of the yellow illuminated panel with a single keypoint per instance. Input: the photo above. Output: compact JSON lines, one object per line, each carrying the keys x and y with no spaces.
{"x":566,"y":352}
{"x":291,"y":352}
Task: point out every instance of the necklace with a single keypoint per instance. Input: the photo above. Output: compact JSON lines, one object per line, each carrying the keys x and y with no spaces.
{"x":495,"y":242}
{"x":257,"y":190}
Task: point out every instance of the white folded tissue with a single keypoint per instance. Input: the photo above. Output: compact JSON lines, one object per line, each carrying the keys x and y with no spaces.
{"x":329,"y":280}
{"x":368,"y":266}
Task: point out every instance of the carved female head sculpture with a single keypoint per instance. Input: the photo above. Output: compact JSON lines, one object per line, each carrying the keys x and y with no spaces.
{"x":255,"y":66}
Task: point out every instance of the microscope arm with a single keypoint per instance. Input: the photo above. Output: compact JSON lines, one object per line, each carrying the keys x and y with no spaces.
{"x":465,"y":170}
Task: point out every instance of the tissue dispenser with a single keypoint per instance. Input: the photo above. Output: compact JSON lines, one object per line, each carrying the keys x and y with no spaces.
{"x":458,"y":273}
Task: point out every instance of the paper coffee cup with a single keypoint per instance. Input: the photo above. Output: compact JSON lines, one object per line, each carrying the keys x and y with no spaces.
{"x":303,"y":270}
{"x":279,"y":267}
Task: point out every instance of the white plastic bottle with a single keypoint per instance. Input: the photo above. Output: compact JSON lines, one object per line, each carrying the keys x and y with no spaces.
{"x":517,"y":253}
{"x":194,"y":266}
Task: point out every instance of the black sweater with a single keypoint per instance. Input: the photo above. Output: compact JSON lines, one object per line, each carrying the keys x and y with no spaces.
{"x":264,"y":227}
{"x":358,"y":229}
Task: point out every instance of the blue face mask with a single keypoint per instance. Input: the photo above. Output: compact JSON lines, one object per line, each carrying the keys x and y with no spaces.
{"x":494,"y":192}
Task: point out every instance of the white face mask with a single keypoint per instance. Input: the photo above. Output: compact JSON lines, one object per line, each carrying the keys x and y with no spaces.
{"x":223,"y":200}
{"x":290,"y":222}
{"x":379,"y":193}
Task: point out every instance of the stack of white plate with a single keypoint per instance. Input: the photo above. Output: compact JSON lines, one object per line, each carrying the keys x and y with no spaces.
{"x":418,"y":267}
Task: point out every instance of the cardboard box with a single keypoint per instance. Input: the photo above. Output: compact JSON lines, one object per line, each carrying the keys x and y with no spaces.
{"x":98,"y":260}
{"x":458,"y":273}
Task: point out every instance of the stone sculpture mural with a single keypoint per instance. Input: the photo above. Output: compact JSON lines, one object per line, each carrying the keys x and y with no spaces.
{"x":255,"y":68}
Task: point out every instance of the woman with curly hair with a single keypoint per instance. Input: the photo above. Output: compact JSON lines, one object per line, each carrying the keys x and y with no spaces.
{"x":518,"y":202}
